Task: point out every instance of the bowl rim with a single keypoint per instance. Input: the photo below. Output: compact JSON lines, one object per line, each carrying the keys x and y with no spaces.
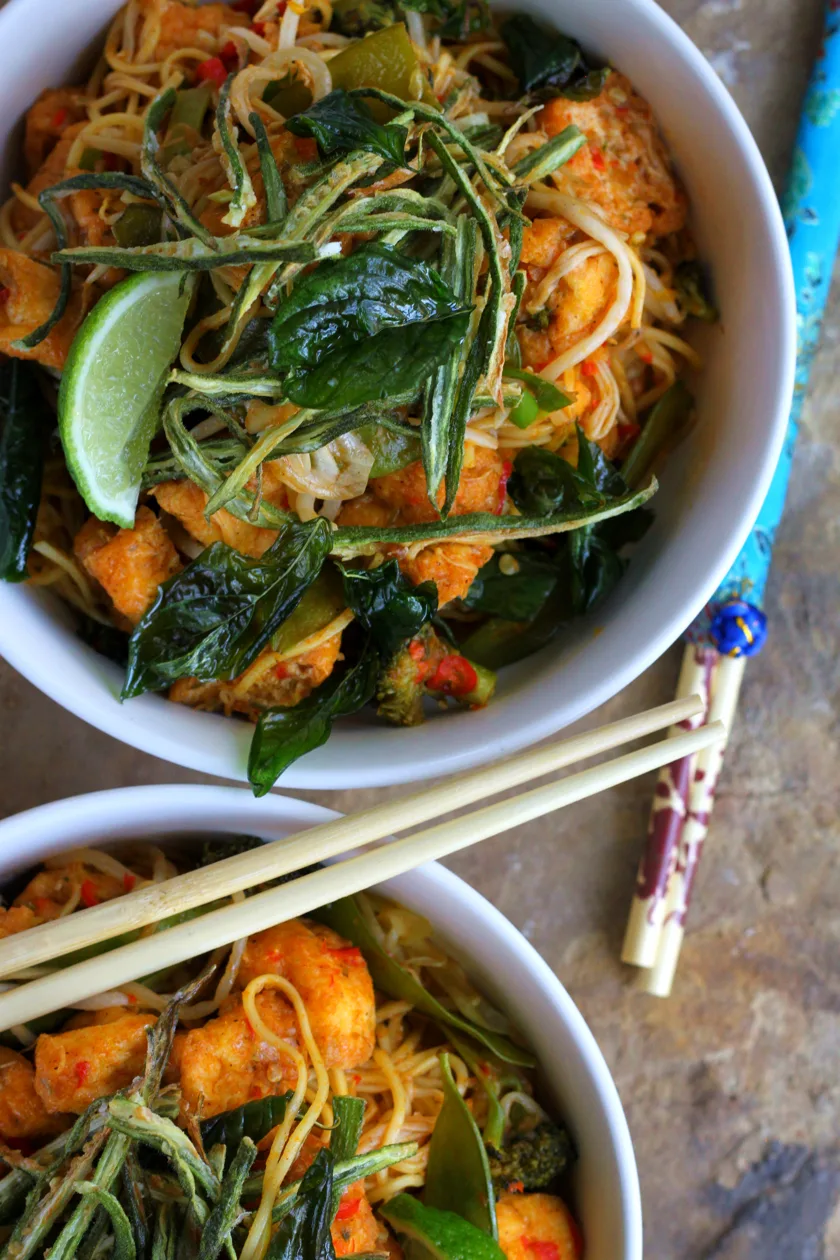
{"x":227,"y":757}
{"x":176,"y":807}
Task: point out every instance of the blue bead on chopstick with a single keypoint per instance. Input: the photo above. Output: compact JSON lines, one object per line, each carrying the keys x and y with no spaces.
{"x":738,"y":629}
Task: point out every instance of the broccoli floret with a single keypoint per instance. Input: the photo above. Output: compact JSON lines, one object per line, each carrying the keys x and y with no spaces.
{"x":692,"y":293}
{"x":533,"y":1160}
{"x":426,"y":665}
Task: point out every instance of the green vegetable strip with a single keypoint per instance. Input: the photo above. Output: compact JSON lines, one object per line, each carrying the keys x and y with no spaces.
{"x":227,"y":1212}
{"x":153,"y":172}
{"x":457,"y":266}
{"x":43,"y":330}
{"x":261,"y":450}
{"x":106,"y":1172}
{"x":124,"y":1248}
{"x":358,"y":540}
{"x":190,"y":255}
{"x":493,"y":186}
{"x":165,"y":1242}
{"x":314,"y":204}
{"x":487,"y":351}
{"x":249,"y":384}
{"x":244,"y":197}
{"x":665,"y":419}
{"x":550,"y":156}
{"x":41,"y":1214}
{"x":134,"y":1186}
{"x":132,"y":1121}
{"x":199,"y":469}
{"x":346,"y":1172}
{"x":394,"y":223}
{"x":277,"y":205}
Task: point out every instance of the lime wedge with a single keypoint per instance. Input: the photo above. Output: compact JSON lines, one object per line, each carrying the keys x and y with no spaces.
{"x":110,"y":394}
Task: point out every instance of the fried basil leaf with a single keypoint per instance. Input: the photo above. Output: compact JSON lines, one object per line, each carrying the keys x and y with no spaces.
{"x":550,"y":64}
{"x":213,"y":619}
{"x":304,"y":1232}
{"x":364,"y":327}
{"x":389,"y":608}
{"x":543,"y":483}
{"x":284,"y":735}
{"x":513,"y":586}
{"x":344,"y":124}
{"x":24,"y":421}
{"x":253,"y":1120}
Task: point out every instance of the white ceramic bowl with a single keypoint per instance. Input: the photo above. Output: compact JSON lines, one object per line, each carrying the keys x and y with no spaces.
{"x":712,"y":489}
{"x":498,"y":957}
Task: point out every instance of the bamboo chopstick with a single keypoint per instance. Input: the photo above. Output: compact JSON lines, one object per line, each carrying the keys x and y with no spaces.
{"x":240,"y":919}
{"x":148,"y":905}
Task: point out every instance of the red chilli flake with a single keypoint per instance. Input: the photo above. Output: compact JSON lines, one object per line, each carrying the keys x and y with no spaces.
{"x":416,"y":650}
{"x":129,"y":881}
{"x":258,"y":28}
{"x":81,"y":1071}
{"x":542,"y":1250}
{"x":88,"y":893}
{"x":516,"y":1187}
{"x":229,"y":53}
{"x":348,"y":1208}
{"x":507,"y":469}
{"x":588,"y":367}
{"x":598,"y":159}
{"x":306,"y":149}
{"x":454,"y":676}
{"x":59,"y":118}
{"x":350,"y":953}
{"x":212,"y":70}
{"x":281,"y":671}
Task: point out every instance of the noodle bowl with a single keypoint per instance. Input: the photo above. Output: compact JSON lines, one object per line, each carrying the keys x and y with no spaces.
{"x":401,"y":1082}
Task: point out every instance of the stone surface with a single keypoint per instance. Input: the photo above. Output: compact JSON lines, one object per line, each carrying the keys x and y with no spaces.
{"x":732,"y":1087}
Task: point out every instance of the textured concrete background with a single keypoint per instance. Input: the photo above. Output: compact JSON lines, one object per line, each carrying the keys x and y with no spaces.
{"x":732,"y":1087}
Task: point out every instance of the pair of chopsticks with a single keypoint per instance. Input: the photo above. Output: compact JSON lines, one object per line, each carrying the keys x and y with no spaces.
{"x":51,"y":942}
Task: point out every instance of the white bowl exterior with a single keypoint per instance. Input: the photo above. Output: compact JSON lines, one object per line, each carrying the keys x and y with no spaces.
{"x":499,"y":958}
{"x":712,"y":489}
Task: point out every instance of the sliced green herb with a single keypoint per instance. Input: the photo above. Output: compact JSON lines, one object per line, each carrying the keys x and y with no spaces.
{"x":344,"y":124}
{"x":25,"y":420}
{"x":548,"y":63}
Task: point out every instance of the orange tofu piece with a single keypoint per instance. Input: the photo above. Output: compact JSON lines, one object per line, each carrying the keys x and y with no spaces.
{"x":332,"y":978}
{"x":478,"y":490}
{"x":55,"y":110}
{"x":73,"y":1068}
{"x":452,"y":566}
{"x":130,"y":564}
{"x":186,"y":502}
{"x":624,"y":169}
{"x":189,"y":26}
{"x":224,"y":1065}
{"x":537,"y":1227}
{"x":31,"y":291}
{"x":22,"y":1113}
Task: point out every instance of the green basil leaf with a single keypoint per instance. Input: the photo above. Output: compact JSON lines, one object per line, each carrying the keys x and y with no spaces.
{"x":514,"y":596}
{"x":349,"y":1114}
{"x":543,"y":483}
{"x":364,"y":327}
{"x":548,"y":396}
{"x":304,"y":1232}
{"x":253,"y":1120}
{"x":458,"y":1172}
{"x":344,"y":124}
{"x":345,"y":917}
{"x":213,"y":619}
{"x":389,"y":608}
{"x":550,"y":64}
{"x":24,"y":421}
{"x":284,"y":735}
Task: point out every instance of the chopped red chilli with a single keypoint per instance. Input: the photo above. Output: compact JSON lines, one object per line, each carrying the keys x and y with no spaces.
{"x":212,"y":70}
{"x":454,"y":676}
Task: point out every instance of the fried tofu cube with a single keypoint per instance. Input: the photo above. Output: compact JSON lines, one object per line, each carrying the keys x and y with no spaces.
{"x":130,"y":564}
